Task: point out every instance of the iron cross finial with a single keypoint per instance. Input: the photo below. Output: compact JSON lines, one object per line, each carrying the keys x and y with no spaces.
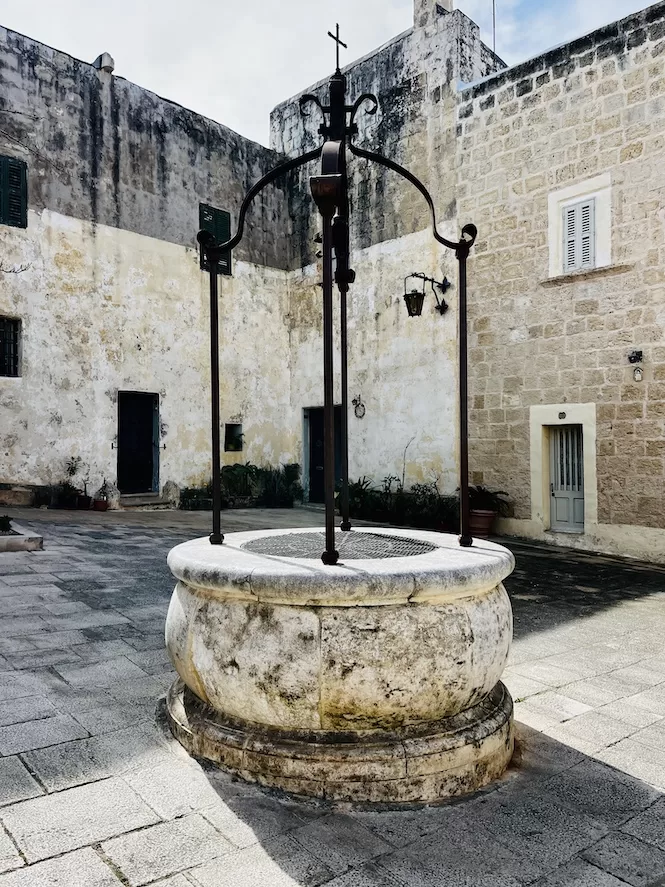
{"x":339,"y":43}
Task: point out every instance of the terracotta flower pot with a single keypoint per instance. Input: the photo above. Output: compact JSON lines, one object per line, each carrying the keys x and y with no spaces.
{"x":481,"y":523}
{"x":83,"y":502}
{"x":100,"y":504}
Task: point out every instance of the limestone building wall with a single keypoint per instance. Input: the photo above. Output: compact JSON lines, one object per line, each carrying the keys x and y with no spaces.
{"x":549,"y":348}
{"x":112,"y":297}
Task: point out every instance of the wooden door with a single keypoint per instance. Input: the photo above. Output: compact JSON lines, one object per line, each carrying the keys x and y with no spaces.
{"x":316,"y":474}
{"x":138,"y":442}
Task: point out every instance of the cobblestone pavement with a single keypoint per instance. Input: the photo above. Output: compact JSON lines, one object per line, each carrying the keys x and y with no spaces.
{"x":94,"y":792}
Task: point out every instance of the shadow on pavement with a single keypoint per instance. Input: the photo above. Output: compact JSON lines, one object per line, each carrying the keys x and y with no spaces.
{"x":557,"y":818}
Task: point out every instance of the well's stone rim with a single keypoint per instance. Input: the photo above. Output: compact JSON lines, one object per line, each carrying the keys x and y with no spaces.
{"x":448,"y":572}
{"x":383,"y":767}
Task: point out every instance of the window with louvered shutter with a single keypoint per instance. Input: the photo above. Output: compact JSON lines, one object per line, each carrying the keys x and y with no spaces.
{"x":579,"y":236}
{"x":13,"y":192}
{"x":218,"y":222}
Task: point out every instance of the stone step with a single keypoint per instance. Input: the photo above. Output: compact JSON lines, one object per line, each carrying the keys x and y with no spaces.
{"x":137,"y":501}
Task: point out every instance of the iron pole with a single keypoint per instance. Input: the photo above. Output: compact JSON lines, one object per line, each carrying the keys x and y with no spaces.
{"x":465,"y":539}
{"x":330,"y":555}
{"x":494,"y":26}
{"x":344,"y":496}
{"x":216,"y":537}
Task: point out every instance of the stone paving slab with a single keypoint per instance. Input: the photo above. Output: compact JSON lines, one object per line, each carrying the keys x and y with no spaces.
{"x":118,"y":802}
{"x":16,"y":783}
{"x":67,"y":820}
{"x":629,"y":859}
{"x":165,"y":849}
{"x":83,"y":868}
{"x":10,"y":858}
{"x":39,"y":734}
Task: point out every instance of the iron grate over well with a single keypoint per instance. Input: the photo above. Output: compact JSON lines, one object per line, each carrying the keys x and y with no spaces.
{"x":351,"y":546}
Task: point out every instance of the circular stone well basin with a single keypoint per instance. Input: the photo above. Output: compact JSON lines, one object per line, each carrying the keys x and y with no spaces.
{"x":405,"y":639}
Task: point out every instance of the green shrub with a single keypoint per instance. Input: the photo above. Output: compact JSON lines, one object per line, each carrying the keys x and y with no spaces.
{"x":248,"y":486}
{"x":422,"y":506}
{"x":63,"y":495}
{"x":482,"y":499}
{"x":279,"y":487}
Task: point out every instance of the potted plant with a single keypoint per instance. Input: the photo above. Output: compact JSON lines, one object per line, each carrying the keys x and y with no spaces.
{"x":484,"y":506}
{"x":100,"y":501}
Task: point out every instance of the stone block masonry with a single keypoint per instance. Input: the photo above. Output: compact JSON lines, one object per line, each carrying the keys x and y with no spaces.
{"x":591,"y":110}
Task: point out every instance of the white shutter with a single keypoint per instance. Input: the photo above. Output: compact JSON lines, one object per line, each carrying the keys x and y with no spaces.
{"x":579,"y":236}
{"x":569,"y":238}
{"x":587,"y":254}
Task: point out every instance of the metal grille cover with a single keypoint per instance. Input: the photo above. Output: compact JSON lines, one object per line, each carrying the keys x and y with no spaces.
{"x":351,"y":546}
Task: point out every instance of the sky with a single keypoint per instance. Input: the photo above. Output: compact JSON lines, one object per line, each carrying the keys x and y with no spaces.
{"x":235,"y":61}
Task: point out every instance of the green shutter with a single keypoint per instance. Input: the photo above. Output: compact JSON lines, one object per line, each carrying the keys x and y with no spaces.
{"x":218,"y":222}
{"x":13,"y":192}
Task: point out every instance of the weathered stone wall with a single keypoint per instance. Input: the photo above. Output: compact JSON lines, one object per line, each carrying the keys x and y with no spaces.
{"x":104,"y":150}
{"x":593,"y":107}
{"x":105,"y":310}
{"x":403,"y":368}
{"x":113,"y":297}
{"x":415,"y":79}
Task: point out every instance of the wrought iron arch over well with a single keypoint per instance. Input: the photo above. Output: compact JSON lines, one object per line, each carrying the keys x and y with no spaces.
{"x":330,"y":190}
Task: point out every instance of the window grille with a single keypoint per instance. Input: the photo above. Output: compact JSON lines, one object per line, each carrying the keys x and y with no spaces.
{"x":10,"y":331}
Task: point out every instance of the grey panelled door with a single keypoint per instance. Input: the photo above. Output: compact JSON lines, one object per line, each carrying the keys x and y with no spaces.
{"x":567,"y":478}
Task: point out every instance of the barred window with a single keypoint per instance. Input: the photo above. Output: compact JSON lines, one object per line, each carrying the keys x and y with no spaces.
{"x":10,"y":335}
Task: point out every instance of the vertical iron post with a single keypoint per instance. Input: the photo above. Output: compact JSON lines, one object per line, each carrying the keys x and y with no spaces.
{"x":465,"y":539}
{"x":330,"y":555}
{"x":216,"y":537}
{"x":494,"y":26}
{"x":345,"y":526}
{"x":344,"y":276}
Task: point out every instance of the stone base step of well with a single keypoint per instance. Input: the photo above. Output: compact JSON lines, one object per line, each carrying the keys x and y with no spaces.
{"x":417,"y":764}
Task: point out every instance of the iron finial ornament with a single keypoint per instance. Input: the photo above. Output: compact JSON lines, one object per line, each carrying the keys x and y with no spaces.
{"x":330,"y":191}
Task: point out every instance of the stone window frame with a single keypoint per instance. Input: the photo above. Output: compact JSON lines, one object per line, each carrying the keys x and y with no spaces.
{"x":542,"y":417}
{"x":598,"y":189}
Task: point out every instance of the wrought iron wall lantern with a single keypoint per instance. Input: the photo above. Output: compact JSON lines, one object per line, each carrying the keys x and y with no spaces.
{"x":330,"y":190}
{"x":415,"y":298}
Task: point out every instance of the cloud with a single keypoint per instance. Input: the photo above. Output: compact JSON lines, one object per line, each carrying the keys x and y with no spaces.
{"x":526,"y":28}
{"x":233,"y":61}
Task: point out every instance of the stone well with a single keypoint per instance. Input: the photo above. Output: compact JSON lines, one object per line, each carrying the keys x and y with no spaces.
{"x":375,"y":680}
